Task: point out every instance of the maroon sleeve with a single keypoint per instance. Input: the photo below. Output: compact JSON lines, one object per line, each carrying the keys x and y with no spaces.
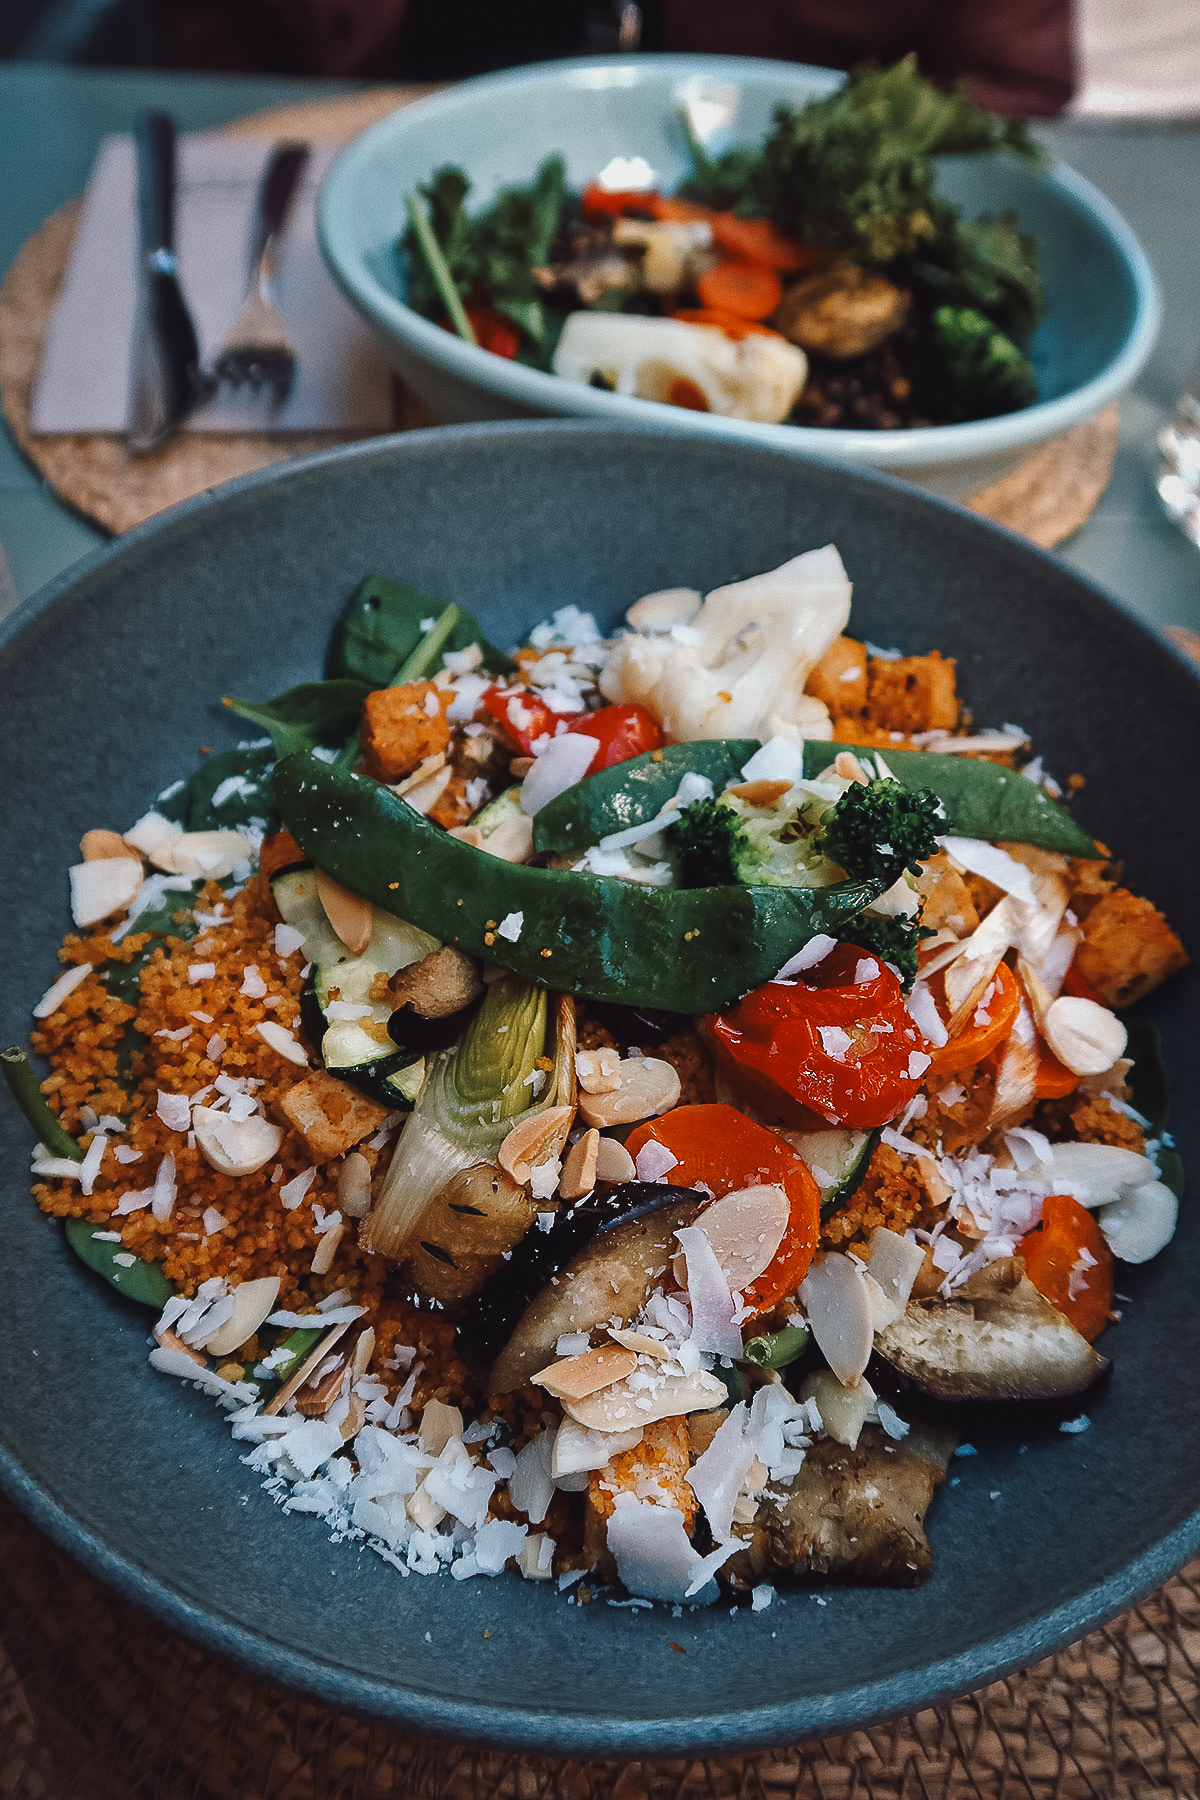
{"x":1016,"y":56}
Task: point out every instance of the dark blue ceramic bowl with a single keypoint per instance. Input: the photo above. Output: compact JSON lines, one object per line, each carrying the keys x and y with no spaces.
{"x":110,"y":681}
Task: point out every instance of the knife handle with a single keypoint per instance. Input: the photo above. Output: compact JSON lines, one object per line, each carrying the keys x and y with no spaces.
{"x":155,"y":136}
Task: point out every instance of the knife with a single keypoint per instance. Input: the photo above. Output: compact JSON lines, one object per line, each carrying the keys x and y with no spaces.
{"x":165,"y":368}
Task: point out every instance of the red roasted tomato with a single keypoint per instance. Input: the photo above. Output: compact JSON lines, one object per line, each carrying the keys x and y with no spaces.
{"x":837,"y":1046}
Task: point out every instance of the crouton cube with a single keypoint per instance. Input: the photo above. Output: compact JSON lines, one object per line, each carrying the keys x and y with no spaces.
{"x":912,"y":693}
{"x":330,"y":1115}
{"x":1127,"y":949}
{"x":840,"y":678}
{"x":401,"y":726}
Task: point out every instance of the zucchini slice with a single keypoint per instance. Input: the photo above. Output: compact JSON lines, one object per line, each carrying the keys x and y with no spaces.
{"x":346,"y":1007}
{"x":838,"y":1159}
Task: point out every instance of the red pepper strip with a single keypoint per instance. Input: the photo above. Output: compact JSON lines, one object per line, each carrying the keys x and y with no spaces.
{"x":1068,"y":1260}
{"x":598,"y":203}
{"x":494,"y":332}
{"x":830,"y":1048}
{"x":723,"y":1149}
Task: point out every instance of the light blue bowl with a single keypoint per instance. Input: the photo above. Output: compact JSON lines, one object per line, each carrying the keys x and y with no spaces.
{"x":1102,"y":312}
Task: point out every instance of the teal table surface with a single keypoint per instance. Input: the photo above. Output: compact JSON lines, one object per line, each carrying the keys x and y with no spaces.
{"x":52,"y":119}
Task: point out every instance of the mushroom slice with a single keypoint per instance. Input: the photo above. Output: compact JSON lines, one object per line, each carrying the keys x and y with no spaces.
{"x":995,"y":1338}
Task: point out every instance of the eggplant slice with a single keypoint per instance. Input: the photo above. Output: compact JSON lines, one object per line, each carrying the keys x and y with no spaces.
{"x":995,"y":1338}
{"x":858,"y":1514}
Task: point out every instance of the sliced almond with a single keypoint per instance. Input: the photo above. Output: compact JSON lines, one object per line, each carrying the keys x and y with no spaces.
{"x":429,"y":765}
{"x":761,"y":793}
{"x":326,"y":1250}
{"x":622,"y":1408}
{"x":1141,"y":1222}
{"x":1085,"y":1036}
{"x":308,"y":1367}
{"x":99,"y":889}
{"x":354,"y":1186}
{"x":847,"y":765}
{"x":575,"y":1377}
{"x":235,"y":1146}
{"x":356,"y":1417}
{"x":202,"y":855}
{"x":538,"y":1138}
{"x":745,"y":1229}
{"x":314,"y":1402}
{"x":364,"y":1350}
{"x":170,"y":1340}
{"x":649,"y":1086}
{"x":439,"y":1423}
{"x":895,"y":1264}
{"x":252,"y":1301}
{"x":838,"y":1304}
{"x":598,"y":1071}
{"x":349,"y":914}
{"x":425,"y":1512}
{"x":843,"y":1409}
{"x":102,"y":846}
{"x":967,"y":981}
{"x":425,"y":796}
{"x":639,"y":1343}
{"x":579,"y":1167}
{"x":613,"y":1161}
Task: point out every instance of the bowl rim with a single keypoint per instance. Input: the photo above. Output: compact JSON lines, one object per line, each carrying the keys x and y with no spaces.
{"x":925,"y":447}
{"x":528,"y":1728}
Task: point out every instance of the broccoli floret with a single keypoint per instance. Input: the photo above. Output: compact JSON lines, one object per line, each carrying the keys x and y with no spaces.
{"x":892,"y":940}
{"x":710,"y":843}
{"x":879,"y":829}
{"x":968,"y":369}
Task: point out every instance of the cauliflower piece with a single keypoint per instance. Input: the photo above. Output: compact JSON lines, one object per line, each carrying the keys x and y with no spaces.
{"x":757,"y":377}
{"x":738,"y":668}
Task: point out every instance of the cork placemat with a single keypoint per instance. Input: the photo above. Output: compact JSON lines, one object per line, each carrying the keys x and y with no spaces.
{"x":98,"y":1703}
{"x":1046,"y":498}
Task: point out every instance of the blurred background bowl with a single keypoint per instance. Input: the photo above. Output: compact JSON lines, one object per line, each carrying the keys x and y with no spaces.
{"x":1102,"y":304}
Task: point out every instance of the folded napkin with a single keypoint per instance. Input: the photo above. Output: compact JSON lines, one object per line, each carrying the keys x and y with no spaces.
{"x":341,"y":382}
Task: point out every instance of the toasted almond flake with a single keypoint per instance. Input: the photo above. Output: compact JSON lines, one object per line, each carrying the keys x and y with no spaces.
{"x":425,"y":796}
{"x":837,"y":1301}
{"x":102,"y":846}
{"x":364,"y":1349}
{"x":538,"y":1138}
{"x":579,"y":1167}
{"x":847,"y":765}
{"x":66,"y":984}
{"x":578,"y":1376}
{"x":283,"y":1042}
{"x":235,"y":1146}
{"x":439,"y":1423}
{"x":639,"y":1343}
{"x":349,"y":914}
{"x":761,"y":793}
{"x":598,"y":1071}
{"x":1084,"y":1035}
{"x":307,"y":1369}
{"x":326,"y":1250}
{"x":745,"y":1229}
{"x":354,"y":1186}
{"x":424,"y":769}
{"x":252,"y":1301}
{"x":99,"y":889}
{"x":648,"y":1087}
{"x":621,"y":1408}
{"x":613,"y":1161}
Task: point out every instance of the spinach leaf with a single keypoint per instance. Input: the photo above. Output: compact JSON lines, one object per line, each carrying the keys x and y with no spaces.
{"x":247,"y":798}
{"x":142,"y":1281}
{"x":315,"y":713}
{"x":382,"y":626}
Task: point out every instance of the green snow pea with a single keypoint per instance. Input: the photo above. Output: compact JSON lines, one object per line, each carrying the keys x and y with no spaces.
{"x":981,"y":799}
{"x":684,"y":950}
{"x":140,"y":1281}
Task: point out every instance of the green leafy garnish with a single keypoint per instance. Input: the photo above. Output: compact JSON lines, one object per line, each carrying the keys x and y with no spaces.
{"x":23,"y":1086}
{"x":140,"y":1281}
{"x":968,"y":369}
{"x":384,"y":623}
{"x":315,"y":713}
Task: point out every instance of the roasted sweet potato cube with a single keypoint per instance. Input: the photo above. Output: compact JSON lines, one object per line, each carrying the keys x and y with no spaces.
{"x":401,"y":726}
{"x":1127,"y":949}
{"x":330,"y":1115}
{"x":840,"y":678}
{"x":912,"y":693}
{"x":660,"y":1463}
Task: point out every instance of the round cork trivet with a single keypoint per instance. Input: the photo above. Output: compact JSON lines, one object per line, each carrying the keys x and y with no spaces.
{"x":97,"y":1702}
{"x":1046,"y":498}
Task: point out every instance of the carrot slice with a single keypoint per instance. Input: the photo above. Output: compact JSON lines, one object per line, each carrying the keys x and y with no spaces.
{"x":761,"y":241}
{"x":679,"y":212}
{"x":722,"y":1148}
{"x":598,"y":203}
{"x":280,"y":851}
{"x":1068,"y":1260}
{"x":971,"y":1045}
{"x":750,"y":289}
{"x":729,"y":322}
{"x":1054,"y":1080}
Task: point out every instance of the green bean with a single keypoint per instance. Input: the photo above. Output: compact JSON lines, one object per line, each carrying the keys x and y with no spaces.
{"x":23,"y":1085}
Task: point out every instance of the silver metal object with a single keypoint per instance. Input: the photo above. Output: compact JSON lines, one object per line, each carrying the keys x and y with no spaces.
{"x":1178,"y":475}
{"x":257,"y":350}
{"x":164,"y":372}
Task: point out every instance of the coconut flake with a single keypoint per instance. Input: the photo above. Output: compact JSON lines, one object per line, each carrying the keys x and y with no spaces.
{"x":713,"y":1305}
{"x":66,"y":984}
{"x":815,"y":951}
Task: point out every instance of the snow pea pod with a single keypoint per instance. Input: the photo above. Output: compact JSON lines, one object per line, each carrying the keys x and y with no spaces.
{"x":685,"y":950}
{"x":982,"y":799}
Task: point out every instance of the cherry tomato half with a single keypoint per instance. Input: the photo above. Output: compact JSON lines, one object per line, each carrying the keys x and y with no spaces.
{"x":524,"y":716}
{"x":837,"y":1046}
{"x":622,"y":731}
{"x":723,"y":1149}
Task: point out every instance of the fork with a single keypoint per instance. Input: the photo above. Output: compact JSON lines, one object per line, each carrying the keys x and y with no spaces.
{"x":257,"y":350}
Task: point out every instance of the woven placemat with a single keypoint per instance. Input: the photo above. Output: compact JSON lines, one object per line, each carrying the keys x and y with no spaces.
{"x":98,"y":1703}
{"x":1046,"y":498}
